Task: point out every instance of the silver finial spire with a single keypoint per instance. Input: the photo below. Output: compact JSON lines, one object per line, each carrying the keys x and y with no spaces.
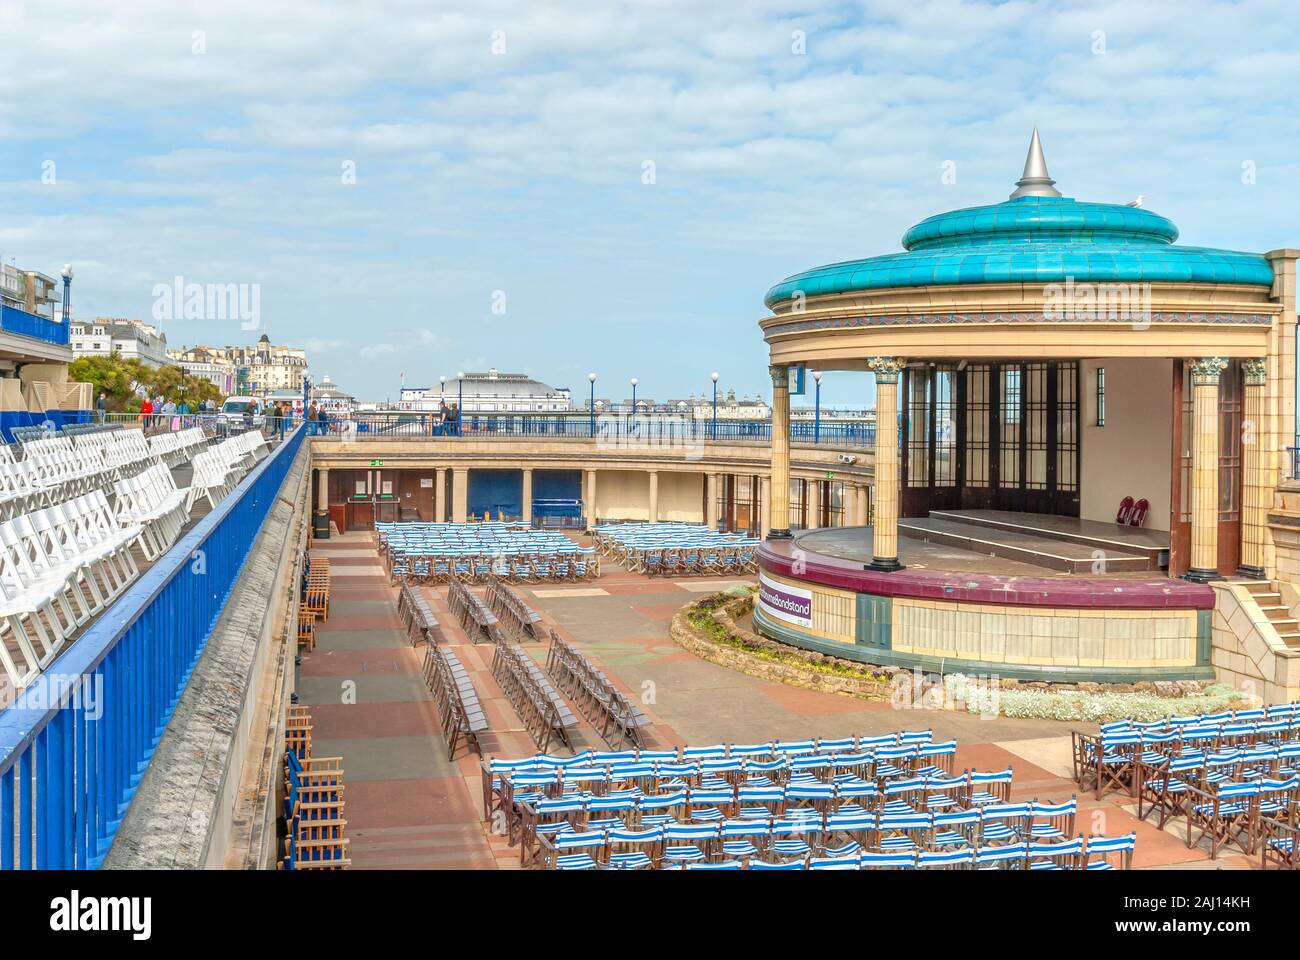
{"x":1035,"y":181}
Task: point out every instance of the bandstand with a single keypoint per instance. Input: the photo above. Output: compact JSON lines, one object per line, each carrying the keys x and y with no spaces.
{"x":1050,"y":362}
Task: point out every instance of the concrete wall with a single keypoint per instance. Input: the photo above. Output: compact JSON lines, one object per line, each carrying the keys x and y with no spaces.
{"x":1130,"y":456}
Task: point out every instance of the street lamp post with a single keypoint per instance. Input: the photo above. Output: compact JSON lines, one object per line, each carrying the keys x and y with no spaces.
{"x":714,"y":377}
{"x":438,"y":423}
{"x":817,"y":407}
{"x":460,"y":401}
{"x":67,"y":300}
{"x":633,"y":421}
{"x":591,"y":405}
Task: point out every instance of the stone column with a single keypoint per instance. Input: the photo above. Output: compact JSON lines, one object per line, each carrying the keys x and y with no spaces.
{"x":884,"y":533}
{"x":526,"y":499}
{"x":778,"y":511}
{"x":590,"y":499}
{"x":1255,"y":487}
{"x":765,"y":508}
{"x":459,"y":495}
{"x":1205,"y":469}
{"x":711,"y":500}
{"x":440,"y":495}
{"x":322,"y":528}
{"x":654,"y":496}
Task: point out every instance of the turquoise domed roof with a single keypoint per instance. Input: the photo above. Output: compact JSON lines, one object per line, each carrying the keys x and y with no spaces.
{"x":1036,"y":237}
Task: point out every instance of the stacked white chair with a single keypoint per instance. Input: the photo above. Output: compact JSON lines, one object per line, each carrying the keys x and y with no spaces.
{"x":59,"y":567}
{"x":152,"y":500}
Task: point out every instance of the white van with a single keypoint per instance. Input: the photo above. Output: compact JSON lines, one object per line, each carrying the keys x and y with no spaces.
{"x":234,"y":416}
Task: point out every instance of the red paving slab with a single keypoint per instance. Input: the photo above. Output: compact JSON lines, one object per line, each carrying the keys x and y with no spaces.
{"x":394,"y":803}
{"x":401,"y":719}
{"x":351,"y":663}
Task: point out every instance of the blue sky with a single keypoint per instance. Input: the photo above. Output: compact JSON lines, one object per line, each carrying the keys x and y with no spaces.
{"x":208,"y":141}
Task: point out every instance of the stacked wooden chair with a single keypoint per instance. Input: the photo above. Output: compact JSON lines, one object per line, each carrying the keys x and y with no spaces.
{"x":313,"y":802}
{"x":314,"y":606}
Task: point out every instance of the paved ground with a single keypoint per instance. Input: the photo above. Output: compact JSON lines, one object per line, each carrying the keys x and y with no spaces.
{"x":408,"y":806}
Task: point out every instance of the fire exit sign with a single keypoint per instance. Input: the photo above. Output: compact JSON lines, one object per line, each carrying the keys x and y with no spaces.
{"x":376,"y":463}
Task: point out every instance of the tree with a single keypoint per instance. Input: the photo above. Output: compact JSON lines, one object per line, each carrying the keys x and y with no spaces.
{"x":126,"y":381}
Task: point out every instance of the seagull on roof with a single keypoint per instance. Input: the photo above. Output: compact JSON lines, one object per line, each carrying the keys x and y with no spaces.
{"x":1137,"y":202}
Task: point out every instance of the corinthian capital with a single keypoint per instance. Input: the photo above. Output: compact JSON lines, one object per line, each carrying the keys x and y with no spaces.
{"x":1205,"y":372}
{"x":780,"y":375}
{"x":1256,"y":372}
{"x":886,"y":369}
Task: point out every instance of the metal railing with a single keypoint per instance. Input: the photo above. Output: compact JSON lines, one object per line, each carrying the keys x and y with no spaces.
{"x":76,"y":743}
{"x":13,"y":320}
{"x":621,"y":429}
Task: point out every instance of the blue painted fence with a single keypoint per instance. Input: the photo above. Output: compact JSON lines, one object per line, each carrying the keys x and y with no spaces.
{"x":75,"y":745}
{"x":625,"y":430}
{"x":13,"y":320}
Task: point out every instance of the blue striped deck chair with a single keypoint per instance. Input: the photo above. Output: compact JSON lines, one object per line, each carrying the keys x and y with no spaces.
{"x":897,"y":860}
{"x":760,"y":803}
{"x":794,"y":748}
{"x":783,"y":865}
{"x":943,"y":793}
{"x":557,"y":850}
{"x":847,"y":862}
{"x":989,"y":787}
{"x":710,"y":805}
{"x":627,"y":847}
{"x":842,"y":745}
{"x":854,"y":789}
{"x":1288,"y":753}
{"x":895,"y":761}
{"x":689,"y":841}
{"x":750,"y":750}
{"x":739,"y":836}
{"x":1277,"y":796}
{"x":1279,"y":844}
{"x":1165,"y":790}
{"x":898,"y":833}
{"x":945,"y":859}
{"x":1055,"y":856}
{"x":1225,"y":812}
{"x":851,"y":762}
{"x":1109,"y":853}
{"x":1012,"y":856}
{"x":940,"y":756}
{"x":916,"y":736}
{"x":625,"y":801}
{"x":660,"y":809}
{"x":771,"y":772}
{"x":955,"y":828}
{"x":790,"y":836}
{"x":1004,"y":822}
{"x":875,"y":743}
{"x":1052,"y":821}
{"x":908,"y":794}
{"x":854,"y":828}
{"x":816,"y":796}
